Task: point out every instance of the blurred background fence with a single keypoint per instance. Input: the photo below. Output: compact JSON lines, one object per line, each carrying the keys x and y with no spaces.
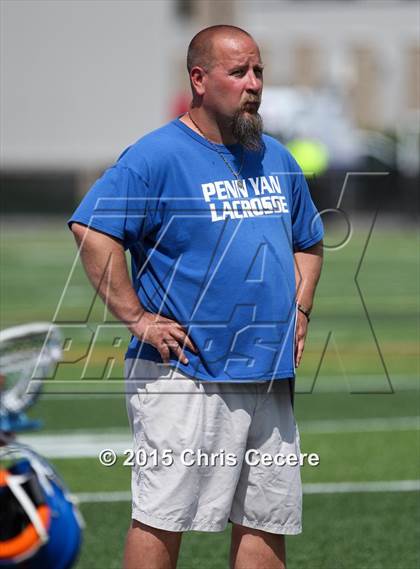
{"x":80,"y":81}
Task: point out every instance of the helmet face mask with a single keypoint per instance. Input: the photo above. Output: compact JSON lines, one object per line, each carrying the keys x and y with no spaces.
{"x":41,"y":527}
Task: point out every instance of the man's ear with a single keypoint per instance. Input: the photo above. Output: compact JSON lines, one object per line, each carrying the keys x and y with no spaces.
{"x":197,"y":78}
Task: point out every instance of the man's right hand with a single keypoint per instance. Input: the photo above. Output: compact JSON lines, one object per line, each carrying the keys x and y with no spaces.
{"x":163,"y":334}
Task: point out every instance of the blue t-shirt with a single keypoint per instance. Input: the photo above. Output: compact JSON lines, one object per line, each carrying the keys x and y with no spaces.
{"x":212,"y":253}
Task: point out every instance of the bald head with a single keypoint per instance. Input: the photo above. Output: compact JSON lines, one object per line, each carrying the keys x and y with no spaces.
{"x":226,"y":76}
{"x":201,"y":48}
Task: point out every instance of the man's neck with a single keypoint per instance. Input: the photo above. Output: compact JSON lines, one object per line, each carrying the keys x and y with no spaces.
{"x":204,"y":125}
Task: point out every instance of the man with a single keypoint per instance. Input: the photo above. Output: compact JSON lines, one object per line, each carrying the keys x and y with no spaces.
{"x":216,"y":217}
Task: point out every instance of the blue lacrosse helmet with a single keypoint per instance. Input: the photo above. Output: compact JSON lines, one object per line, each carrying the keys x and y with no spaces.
{"x":41,"y":527}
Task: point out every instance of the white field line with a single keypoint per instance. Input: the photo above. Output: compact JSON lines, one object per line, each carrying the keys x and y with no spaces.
{"x":348,"y":487}
{"x":320,"y":488}
{"x":80,"y":445}
{"x":95,"y":497}
{"x":366,"y":425}
{"x":88,"y":444}
{"x":59,"y":390}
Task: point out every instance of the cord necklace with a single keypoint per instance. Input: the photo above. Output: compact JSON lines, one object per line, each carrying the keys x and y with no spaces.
{"x":237,"y":174}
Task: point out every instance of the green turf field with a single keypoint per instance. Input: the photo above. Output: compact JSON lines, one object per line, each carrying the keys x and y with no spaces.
{"x":356,"y":404}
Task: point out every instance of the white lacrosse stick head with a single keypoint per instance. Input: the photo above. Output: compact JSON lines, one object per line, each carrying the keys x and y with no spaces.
{"x":28,"y":354}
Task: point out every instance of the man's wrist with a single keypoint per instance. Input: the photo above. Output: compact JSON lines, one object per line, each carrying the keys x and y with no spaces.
{"x":305,"y":310}
{"x":135,"y":321}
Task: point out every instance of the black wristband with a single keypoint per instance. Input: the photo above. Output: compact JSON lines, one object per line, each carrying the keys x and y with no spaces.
{"x":304,"y":311}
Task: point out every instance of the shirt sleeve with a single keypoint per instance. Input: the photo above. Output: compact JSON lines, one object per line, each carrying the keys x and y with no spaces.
{"x":307,"y":228}
{"x":116,"y":205}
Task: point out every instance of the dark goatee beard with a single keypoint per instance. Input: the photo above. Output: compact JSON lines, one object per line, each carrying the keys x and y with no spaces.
{"x":247,"y":128}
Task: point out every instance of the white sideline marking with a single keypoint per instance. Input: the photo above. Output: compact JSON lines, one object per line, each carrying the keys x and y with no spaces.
{"x":66,"y":390}
{"x":360,"y":425}
{"x":96,"y":497}
{"x":321,"y":488}
{"x":88,"y":444}
{"x":348,"y":487}
{"x":80,"y":445}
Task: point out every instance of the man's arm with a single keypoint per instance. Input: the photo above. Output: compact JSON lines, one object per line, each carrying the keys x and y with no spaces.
{"x":105,"y":264}
{"x":308,"y":264}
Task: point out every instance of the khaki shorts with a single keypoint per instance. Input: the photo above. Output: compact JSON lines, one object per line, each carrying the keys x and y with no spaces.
{"x":199,"y":449}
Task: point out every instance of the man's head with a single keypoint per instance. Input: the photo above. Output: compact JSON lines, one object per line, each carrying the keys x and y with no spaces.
{"x":226,"y":77}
